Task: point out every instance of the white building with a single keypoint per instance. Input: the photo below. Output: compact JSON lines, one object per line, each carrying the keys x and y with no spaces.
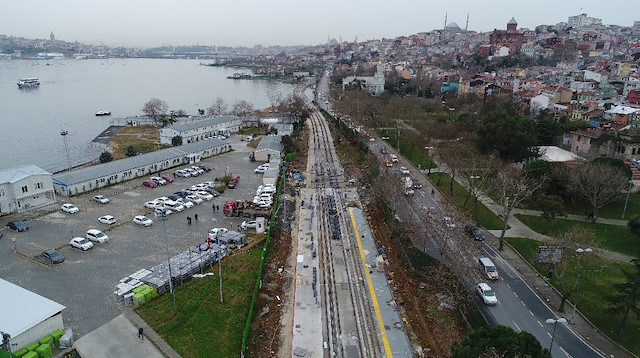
{"x":269,"y":146}
{"x":372,"y":84}
{"x":27,"y":316}
{"x":201,"y":129}
{"x":24,"y":188}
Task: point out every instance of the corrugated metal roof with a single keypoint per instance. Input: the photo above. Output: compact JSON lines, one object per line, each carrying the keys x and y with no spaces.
{"x":209,"y":121}
{"x":118,"y":166}
{"x":21,"y":309}
{"x":272,"y":142}
{"x":16,"y":174}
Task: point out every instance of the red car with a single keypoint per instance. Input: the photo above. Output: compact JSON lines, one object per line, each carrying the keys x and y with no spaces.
{"x":167,"y":178}
{"x":149,"y":184}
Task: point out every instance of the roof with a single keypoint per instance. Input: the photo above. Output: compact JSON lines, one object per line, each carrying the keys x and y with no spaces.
{"x":272,"y":142}
{"x":21,"y":309}
{"x":208,"y":121}
{"x":622,"y":110}
{"x":512,"y":21}
{"x":555,"y":154}
{"x":118,"y":166}
{"x":16,"y":174}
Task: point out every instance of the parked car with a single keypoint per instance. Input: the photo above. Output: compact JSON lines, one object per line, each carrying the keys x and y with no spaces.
{"x":107,"y":219}
{"x":52,"y":256}
{"x":259,"y":170}
{"x":449,"y":222}
{"x":168,"y":178}
{"x":194,"y":199}
{"x":81,"y":243}
{"x":417,"y":184}
{"x":474,"y":231}
{"x":205,"y":168}
{"x":198,"y":169}
{"x":193,"y":172}
{"x":149,"y":184}
{"x":153,"y":204}
{"x":249,"y":224}
{"x":174,"y":197}
{"x":404,"y":170}
{"x":70,"y":208}
{"x":183,"y":173}
{"x":217,"y":230}
{"x":198,"y":187}
{"x":158,"y":180}
{"x":213,"y":192}
{"x":101,"y":199}
{"x":231,"y":185}
{"x":209,"y":184}
{"x":17,"y":225}
{"x":204,"y":195}
{"x":486,"y":293}
{"x":182,"y":193}
{"x":163,"y":211}
{"x":186,"y":203}
{"x":97,"y":236}
{"x":142,"y":220}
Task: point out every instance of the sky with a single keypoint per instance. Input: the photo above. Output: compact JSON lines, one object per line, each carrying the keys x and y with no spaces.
{"x":150,"y":23}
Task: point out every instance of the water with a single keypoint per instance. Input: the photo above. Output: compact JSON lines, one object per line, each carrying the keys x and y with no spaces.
{"x":72,"y":91}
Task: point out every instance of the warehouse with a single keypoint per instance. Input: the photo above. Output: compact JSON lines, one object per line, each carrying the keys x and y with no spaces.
{"x":27,"y":316}
{"x":200,"y":129}
{"x":269,"y":146}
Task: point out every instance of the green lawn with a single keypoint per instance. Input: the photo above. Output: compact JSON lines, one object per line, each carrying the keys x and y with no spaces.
{"x":598,"y":278}
{"x":197,"y":324}
{"x":610,"y":237}
{"x":486,"y":218}
{"x":611,"y":211}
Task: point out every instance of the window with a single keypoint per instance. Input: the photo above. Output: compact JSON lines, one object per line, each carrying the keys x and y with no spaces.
{"x":25,"y":189}
{"x":38,"y":185}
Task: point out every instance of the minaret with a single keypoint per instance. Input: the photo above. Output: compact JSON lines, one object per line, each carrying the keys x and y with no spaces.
{"x":52,"y":36}
{"x":445,"y":21}
{"x":466,"y":27}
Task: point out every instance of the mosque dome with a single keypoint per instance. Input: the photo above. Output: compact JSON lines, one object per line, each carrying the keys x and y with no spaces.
{"x":453,"y":26}
{"x":512,"y":21}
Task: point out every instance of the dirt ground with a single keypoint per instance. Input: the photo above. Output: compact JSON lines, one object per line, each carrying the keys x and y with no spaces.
{"x":139,"y":137}
{"x":432,"y":330}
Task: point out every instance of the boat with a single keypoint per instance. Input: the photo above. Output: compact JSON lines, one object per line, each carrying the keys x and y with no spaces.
{"x":28,"y":82}
{"x":103,"y":113}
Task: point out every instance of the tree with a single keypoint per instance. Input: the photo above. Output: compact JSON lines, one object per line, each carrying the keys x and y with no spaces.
{"x":176,"y":141}
{"x":551,"y":206}
{"x":513,"y":137}
{"x":626,"y":300}
{"x":598,"y":183}
{"x":242,"y":108}
{"x":512,"y":185}
{"x":106,"y":157}
{"x":218,"y":108}
{"x":502,"y":340}
{"x":155,"y":109}
{"x":131,"y":151}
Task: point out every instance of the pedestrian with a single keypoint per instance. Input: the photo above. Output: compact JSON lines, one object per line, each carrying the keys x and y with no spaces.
{"x":174,"y":175}
{"x":213,"y":207}
{"x":196,"y":216}
{"x":141,"y":333}
{"x":189,"y":220}
{"x":433,"y":191}
{"x":217,"y":207}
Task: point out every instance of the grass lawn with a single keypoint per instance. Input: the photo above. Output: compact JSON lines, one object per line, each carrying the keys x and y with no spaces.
{"x":197,"y":324}
{"x":486,"y":217}
{"x":610,"y":237}
{"x":142,"y":138}
{"x":598,"y":278}
{"x":611,"y":211}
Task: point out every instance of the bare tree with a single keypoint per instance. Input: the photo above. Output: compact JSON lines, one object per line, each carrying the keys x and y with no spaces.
{"x":218,"y":108}
{"x":512,"y":185}
{"x":454,"y":154}
{"x":242,"y":108}
{"x":276,"y":100}
{"x":478,"y":171}
{"x":598,"y":183}
{"x":156,"y":109}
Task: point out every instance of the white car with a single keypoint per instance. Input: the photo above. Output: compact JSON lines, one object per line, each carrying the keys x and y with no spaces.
{"x":486,"y":293}
{"x":194,"y":199}
{"x":404,"y":170}
{"x":209,"y":184}
{"x":183,"y":173}
{"x":81,"y":243}
{"x":101,"y":199}
{"x":70,"y":208}
{"x":259,"y":170}
{"x":186,"y":203}
{"x":163,"y":211}
{"x":162,"y":199}
{"x":97,"y":236}
{"x":204,"y":195}
{"x":198,"y":169}
{"x":217,"y":230}
{"x":449,"y":222}
{"x":193,"y":172}
{"x":158,"y":180}
{"x":153,"y":204}
{"x":142,"y":220}
{"x":264,"y":204}
{"x":250,"y":224}
{"x":107,"y":219}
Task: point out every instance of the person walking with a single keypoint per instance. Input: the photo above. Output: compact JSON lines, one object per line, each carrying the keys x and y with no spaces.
{"x":196,"y":217}
{"x":213,"y":207}
{"x":189,"y":220}
{"x":141,"y":333}
{"x":217,"y":207}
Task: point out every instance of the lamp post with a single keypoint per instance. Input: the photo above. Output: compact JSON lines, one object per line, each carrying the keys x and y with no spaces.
{"x":163,"y":218}
{"x":66,"y":147}
{"x":579,"y":251}
{"x":555,"y":325}
{"x":624,"y":211}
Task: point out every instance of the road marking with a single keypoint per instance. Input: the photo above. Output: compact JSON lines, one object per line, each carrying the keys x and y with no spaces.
{"x":514,"y":293}
{"x":540,"y":323}
{"x":524,"y":304}
{"x":549,"y":334}
{"x":532,"y":313}
{"x":518,"y":327}
{"x":374,"y":299}
{"x":565,"y":352}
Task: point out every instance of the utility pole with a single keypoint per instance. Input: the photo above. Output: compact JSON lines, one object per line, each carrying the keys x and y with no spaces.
{"x":66,"y":148}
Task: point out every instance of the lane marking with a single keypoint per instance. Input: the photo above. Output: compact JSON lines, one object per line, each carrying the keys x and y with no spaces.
{"x":518,"y":327}
{"x":374,"y":299}
{"x":540,"y":323}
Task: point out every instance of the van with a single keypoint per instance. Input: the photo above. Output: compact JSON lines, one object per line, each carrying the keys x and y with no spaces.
{"x":489,"y":268}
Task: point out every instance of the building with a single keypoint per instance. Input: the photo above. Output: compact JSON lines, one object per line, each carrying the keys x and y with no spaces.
{"x":372,"y":84}
{"x":623,"y":115}
{"x":90,"y":178}
{"x":583,"y":20}
{"x":25,"y":188}
{"x":269,"y":146}
{"x":201,"y":129}
{"x":27,"y":316}
{"x":511,"y":37}
{"x":583,"y":141}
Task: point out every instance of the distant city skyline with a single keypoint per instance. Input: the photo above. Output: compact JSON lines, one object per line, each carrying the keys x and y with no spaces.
{"x":151,"y":23}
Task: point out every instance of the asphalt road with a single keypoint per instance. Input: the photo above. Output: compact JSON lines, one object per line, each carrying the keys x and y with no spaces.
{"x":84,"y":283}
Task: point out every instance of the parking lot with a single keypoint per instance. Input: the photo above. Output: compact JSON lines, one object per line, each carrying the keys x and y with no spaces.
{"x":85,"y":282}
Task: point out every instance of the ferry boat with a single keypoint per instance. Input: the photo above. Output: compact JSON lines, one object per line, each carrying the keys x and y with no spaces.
{"x":28,"y":82}
{"x":103,"y":113}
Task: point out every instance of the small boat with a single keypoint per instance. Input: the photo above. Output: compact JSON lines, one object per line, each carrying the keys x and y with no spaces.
{"x":103,"y":113}
{"x":28,"y":82}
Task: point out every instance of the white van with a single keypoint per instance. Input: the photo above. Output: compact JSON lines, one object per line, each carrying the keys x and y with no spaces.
{"x":488,"y":268}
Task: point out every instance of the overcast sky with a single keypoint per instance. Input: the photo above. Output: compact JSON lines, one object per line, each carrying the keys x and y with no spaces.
{"x":147,"y":23}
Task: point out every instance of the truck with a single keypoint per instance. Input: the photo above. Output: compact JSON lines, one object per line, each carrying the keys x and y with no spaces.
{"x":245,"y":208}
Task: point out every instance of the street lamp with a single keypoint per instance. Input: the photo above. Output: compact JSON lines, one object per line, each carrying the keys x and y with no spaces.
{"x":555,"y":325}
{"x":579,"y":251}
{"x":624,"y":211}
{"x":162,"y":217}
{"x":66,"y":148}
